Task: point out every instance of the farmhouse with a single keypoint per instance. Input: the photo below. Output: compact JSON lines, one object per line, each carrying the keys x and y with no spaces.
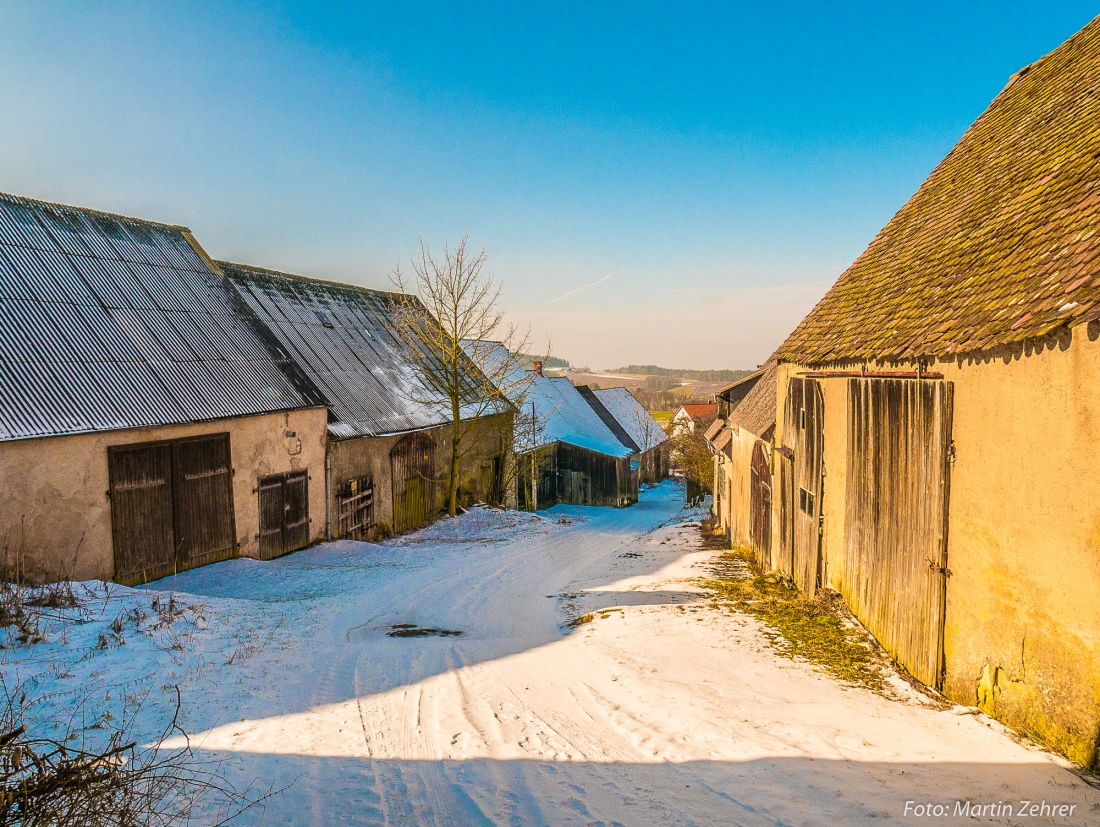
{"x":565,"y":452}
{"x":642,"y":430}
{"x":389,"y":434}
{"x":141,"y":414}
{"x":691,"y":414}
{"x":938,"y":416}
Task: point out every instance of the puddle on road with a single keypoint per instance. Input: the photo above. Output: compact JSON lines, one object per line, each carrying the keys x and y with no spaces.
{"x":412,"y":630}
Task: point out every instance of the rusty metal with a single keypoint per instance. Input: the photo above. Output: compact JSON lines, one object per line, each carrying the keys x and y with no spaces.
{"x":284,"y":513}
{"x":803,"y":435}
{"x":896,"y":516}
{"x":412,"y":463}
{"x":171,"y":506}
{"x":761,"y":498}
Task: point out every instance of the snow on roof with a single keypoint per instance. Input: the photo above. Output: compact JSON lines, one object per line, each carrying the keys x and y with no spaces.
{"x":109,"y":322}
{"x":561,"y":413}
{"x":635,"y":419}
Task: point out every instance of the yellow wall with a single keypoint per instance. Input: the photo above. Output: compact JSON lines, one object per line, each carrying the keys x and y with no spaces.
{"x":1023,"y":601}
{"x":54,"y":508}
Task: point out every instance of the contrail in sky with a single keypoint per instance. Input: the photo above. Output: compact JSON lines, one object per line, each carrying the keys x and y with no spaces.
{"x":577,"y":291}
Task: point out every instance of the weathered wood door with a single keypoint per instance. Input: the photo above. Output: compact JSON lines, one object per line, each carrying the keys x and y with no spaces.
{"x":896,"y":516}
{"x":803,"y":434}
{"x":412,"y":465}
{"x":761,"y":501}
{"x":171,"y":506}
{"x":202,"y":481}
{"x":141,"y":511}
{"x":284,"y":513}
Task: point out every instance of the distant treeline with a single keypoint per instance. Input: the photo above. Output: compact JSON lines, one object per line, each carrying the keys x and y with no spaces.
{"x":699,"y":375}
{"x":527,"y":360}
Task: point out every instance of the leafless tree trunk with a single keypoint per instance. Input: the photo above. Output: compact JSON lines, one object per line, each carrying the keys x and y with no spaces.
{"x":448,"y":302}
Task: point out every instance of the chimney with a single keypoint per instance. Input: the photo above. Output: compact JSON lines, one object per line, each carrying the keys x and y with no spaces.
{"x":538,"y":367}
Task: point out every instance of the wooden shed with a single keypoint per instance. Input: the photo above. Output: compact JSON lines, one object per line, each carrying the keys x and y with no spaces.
{"x":643,"y":431}
{"x":938,"y":412}
{"x":142,"y":419}
{"x":388,"y":433}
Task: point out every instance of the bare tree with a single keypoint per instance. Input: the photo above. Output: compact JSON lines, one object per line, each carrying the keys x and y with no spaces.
{"x":446,"y":304}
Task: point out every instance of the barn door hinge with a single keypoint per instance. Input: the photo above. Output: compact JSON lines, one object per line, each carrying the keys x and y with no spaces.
{"x":951,"y":452}
{"x":946,"y":572}
{"x":821,"y":525}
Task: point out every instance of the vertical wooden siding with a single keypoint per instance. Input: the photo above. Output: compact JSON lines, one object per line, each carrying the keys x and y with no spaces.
{"x":895,"y":554}
{"x":412,"y":463}
{"x":760,"y":528}
{"x":804,"y":437}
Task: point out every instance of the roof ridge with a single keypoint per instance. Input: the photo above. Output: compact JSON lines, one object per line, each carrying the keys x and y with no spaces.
{"x":267,"y":271}
{"x":27,"y":200}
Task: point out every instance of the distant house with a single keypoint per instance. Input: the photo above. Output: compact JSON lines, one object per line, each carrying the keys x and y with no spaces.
{"x":566,"y":453}
{"x":691,"y":414}
{"x":938,"y":417}
{"x":388,"y":433}
{"x":642,"y":430}
{"x":141,"y":414}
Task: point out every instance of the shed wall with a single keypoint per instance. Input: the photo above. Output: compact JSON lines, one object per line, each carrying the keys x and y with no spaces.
{"x":54,"y":508}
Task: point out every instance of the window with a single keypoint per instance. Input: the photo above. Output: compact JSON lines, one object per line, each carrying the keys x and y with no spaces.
{"x":806,"y":501}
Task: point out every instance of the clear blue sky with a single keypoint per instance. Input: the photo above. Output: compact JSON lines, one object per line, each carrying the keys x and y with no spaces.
{"x":708,"y":168}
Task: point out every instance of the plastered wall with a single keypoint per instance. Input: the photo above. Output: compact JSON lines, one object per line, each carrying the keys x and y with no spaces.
{"x":54,"y":508}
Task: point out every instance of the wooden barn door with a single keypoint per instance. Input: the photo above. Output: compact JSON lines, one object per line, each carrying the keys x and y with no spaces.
{"x":141,"y":511}
{"x":803,"y":434}
{"x":896,"y":514}
{"x":284,"y":513}
{"x":171,"y":506}
{"x":202,"y":481}
{"x":761,"y":499}
{"x":412,"y":463}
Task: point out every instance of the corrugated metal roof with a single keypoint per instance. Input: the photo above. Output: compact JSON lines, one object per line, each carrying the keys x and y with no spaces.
{"x":110,"y":322}
{"x":635,"y":419}
{"x":341,"y":338}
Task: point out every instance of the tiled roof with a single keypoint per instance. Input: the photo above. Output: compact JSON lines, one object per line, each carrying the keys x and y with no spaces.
{"x":700,"y":410}
{"x":341,"y":338}
{"x":636,"y":420}
{"x":1000,"y":244}
{"x":109,"y":322}
{"x":756,"y":412}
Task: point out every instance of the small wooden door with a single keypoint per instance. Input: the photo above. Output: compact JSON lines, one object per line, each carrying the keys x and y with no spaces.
{"x":284,"y":513}
{"x":803,"y":433}
{"x":171,"y":506}
{"x":412,"y":465}
{"x":761,"y":496}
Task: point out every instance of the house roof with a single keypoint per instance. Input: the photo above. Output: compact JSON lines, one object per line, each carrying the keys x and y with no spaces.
{"x":110,"y":322}
{"x":644,"y":430}
{"x":714,"y":429}
{"x":608,"y":419}
{"x":749,"y":379}
{"x":341,"y":338}
{"x":699,"y":410}
{"x":756,"y":412}
{"x":999,"y":245}
{"x":561,"y":412}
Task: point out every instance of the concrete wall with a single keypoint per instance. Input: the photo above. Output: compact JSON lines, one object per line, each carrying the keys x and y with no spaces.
{"x":54,"y":508}
{"x":1023,"y":602}
{"x":370,"y":457}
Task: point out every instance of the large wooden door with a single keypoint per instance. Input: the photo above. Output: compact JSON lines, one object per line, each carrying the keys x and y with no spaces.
{"x":896,"y":516}
{"x":803,"y":434}
{"x":760,"y":528}
{"x":141,"y":511}
{"x":171,"y":506}
{"x":284,"y":513}
{"x":412,"y":464}
{"x":203,"y":487}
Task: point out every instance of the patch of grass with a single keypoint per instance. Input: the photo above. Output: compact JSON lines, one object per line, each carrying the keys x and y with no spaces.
{"x":811,"y":629}
{"x":585,"y":618}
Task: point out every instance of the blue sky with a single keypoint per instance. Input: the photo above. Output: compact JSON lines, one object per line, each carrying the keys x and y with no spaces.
{"x":669,"y":183}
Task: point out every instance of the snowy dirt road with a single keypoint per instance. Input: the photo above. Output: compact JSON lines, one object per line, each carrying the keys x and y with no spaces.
{"x":660,"y":711}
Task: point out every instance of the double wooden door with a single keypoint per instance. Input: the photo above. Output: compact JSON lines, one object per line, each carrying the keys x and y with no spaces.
{"x":284,"y":513}
{"x":171,"y":506}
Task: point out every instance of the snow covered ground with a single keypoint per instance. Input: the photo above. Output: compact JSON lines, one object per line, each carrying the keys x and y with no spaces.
{"x":662,"y":711}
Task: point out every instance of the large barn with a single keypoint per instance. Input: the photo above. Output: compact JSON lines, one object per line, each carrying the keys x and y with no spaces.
{"x":140,"y":412}
{"x":643,"y":431}
{"x":389,"y":434}
{"x":937,"y":414}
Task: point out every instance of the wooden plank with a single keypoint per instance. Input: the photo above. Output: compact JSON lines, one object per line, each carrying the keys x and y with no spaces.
{"x":272,"y":506}
{"x":295,"y":510}
{"x":141,"y":511}
{"x":202,"y":482}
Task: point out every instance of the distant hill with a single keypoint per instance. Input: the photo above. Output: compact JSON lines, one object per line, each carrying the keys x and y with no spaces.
{"x":698,"y":375}
{"x":527,"y":360}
